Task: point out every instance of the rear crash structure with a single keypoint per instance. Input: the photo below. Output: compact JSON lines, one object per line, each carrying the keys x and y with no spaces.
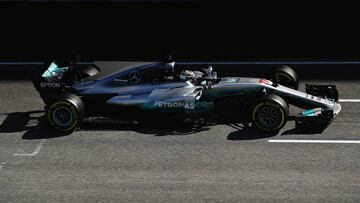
{"x":160,"y":91}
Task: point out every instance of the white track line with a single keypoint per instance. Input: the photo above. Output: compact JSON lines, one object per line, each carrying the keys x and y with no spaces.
{"x":349,"y":100}
{"x":318,"y":141}
{"x":36,"y":151}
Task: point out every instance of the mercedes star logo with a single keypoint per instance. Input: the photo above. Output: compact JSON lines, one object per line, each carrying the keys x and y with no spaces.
{"x":134,"y":77}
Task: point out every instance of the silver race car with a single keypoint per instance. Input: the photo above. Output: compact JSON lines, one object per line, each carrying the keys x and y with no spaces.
{"x":162,"y":92}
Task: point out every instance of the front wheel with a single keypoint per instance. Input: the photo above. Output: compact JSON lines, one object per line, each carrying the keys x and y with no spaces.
{"x":284,"y":75}
{"x":64,"y":115}
{"x":270,"y":113}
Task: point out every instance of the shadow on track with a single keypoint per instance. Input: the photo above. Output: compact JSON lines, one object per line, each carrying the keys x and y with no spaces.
{"x":151,"y":128}
{"x":246,"y":132}
{"x":15,"y":122}
{"x":33,"y":122}
{"x":297,"y":131}
{"x":36,"y":127}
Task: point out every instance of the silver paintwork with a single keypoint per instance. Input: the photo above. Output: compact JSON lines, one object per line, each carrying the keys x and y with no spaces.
{"x":146,"y":94}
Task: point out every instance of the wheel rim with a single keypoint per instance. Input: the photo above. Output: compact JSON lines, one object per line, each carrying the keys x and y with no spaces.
{"x":268,"y":117}
{"x":62,"y":116}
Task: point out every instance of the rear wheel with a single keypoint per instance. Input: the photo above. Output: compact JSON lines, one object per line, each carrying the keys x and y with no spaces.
{"x":284,"y":75}
{"x":270,"y":113}
{"x":65,"y":114}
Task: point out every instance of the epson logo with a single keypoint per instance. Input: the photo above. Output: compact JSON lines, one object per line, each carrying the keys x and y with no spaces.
{"x":50,"y":84}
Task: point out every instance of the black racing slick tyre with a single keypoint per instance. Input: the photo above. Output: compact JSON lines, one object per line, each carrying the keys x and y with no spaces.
{"x":270,"y":113}
{"x":284,"y":75}
{"x":65,"y":113}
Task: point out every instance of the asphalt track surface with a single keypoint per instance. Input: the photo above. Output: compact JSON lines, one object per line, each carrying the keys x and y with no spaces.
{"x":130,"y":163}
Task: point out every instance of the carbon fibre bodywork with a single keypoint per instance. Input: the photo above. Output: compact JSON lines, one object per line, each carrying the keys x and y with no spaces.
{"x":117,"y":96}
{"x":155,"y":91}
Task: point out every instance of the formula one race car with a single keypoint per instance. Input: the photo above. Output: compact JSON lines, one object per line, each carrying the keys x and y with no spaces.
{"x":158,"y":91}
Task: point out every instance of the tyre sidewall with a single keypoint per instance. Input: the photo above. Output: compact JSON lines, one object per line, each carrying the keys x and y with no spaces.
{"x":278,"y":107}
{"x":289,"y":77}
{"x":285,"y":71}
{"x":74,"y":116}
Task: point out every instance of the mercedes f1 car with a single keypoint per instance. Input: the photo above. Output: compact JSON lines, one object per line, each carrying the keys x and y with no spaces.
{"x":161,"y":91}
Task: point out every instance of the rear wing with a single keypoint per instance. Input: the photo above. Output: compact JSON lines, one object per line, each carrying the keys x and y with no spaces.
{"x":54,"y":73}
{"x":56,"y":79}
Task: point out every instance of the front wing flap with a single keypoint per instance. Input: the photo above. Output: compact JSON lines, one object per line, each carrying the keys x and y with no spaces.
{"x":314,"y":119}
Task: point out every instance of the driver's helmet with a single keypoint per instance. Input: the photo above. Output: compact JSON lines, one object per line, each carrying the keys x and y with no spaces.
{"x":168,"y":69}
{"x":187,"y":75}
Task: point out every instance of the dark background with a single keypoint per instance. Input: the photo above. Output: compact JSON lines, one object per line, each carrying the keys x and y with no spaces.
{"x":189,"y":30}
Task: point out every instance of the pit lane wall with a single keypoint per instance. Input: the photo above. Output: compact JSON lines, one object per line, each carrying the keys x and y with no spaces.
{"x":339,"y":70}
